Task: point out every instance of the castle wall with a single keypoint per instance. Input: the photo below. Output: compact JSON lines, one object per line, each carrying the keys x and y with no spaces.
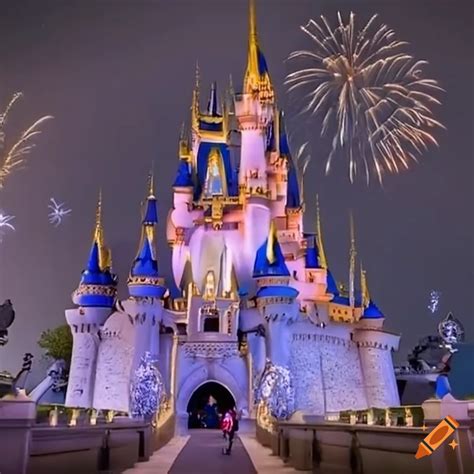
{"x":379,"y":377}
{"x":326,"y":369}
{"x":85,"y":325}
{"x":114,"y":364}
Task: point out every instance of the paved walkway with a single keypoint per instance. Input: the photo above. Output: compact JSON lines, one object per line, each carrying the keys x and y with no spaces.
{"x":201,"y":453}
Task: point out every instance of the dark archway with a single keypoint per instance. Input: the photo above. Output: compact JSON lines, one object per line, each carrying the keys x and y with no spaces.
{"x":201,"y":413}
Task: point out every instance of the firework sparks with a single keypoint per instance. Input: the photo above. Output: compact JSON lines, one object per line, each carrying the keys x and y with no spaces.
{"x":13,"y":156}
{"x":5,"y":225}
{"x":434,"y":301}
{"x":370,"y":94}
{"x":57,"y":212}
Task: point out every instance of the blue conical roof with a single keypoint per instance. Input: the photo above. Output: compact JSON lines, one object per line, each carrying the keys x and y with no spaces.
{"x":145,"y":264}
{"x":372,"y":311}
{"x":264,"y":267}
{"x":183,"y":176}
{"x":93,"y":275}
{"x":97,"y":284}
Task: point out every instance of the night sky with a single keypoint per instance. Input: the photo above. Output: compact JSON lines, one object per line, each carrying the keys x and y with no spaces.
{"x":118,"y":76}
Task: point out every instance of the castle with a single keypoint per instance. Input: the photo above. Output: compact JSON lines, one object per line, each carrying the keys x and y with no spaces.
{"x":258,"y":310}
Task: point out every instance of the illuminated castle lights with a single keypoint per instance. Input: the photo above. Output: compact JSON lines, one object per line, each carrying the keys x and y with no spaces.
{"x":240,"y":260}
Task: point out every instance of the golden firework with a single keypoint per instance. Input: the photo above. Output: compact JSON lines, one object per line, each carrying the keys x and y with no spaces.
{"x":370,"y":93}
{"x":13,"y":156}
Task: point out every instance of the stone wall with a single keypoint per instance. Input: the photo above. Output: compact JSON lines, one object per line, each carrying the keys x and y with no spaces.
{"x":329,"y":377}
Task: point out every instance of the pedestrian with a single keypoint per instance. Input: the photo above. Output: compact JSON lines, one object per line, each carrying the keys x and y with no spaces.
{"x":228,"y":431}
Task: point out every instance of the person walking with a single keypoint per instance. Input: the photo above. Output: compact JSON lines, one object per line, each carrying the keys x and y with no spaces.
{"x":228,"y":431}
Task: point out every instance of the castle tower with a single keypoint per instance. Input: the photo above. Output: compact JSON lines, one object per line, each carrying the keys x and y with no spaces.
{"x":145,"y":286}
{"x":254,"y":111}
{"x":276,"y":300}
{"x":95,"y":297}
{"x":375,"y":349}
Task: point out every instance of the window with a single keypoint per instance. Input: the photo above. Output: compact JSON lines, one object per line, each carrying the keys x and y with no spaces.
{"x":211,"y":324}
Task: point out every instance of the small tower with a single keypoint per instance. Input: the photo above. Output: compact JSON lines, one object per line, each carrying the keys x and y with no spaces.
{"x":375,"y":349}
{"x":276,"y":300}
{"x":145,"y":285}
{"x":95,"y":296}
{"x":144,"y":280}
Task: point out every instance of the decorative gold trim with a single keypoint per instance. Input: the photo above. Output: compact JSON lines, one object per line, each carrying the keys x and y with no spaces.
{"x":145,"y":280}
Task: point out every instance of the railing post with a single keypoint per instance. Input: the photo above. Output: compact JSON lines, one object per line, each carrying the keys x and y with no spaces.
{"x":17,"y":416}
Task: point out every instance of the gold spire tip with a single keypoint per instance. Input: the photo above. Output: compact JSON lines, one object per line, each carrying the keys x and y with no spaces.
{"x":151,"y":181}
{"x":98,"y":212}
{"x":272,"y":238}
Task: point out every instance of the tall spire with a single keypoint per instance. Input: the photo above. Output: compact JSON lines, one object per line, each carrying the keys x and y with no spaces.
{"x":103,"y":252}
{"x":212,"y":104}
{"x":252,"y":74}
{"x":144,"y":280}
{"x":195,"y":102}
{"x":352,"y":259}
{"x":364,"y":287}
{"x":256,"y":78}
{"x":319,"y":238}
{"x":151,"y":190}
{"x":272,"y":238}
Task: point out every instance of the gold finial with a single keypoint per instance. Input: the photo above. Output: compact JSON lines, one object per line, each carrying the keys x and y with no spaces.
{"x":352,"y":259}
{"x":151,"y":191}
{"x":183,"y":148}
{"x":271,"y":241}
{"x":196,"y":77}
{"x":104,"y":253}
{"x":364,"y":287}
{"x":252,"y":21}
{"x":195,"y":102}
{"x":231,"y":86}
{"x":252,"y":75}
{"x":319,"y":238}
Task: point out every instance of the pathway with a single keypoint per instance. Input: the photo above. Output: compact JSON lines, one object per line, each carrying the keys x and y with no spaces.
{"x":201,"y":453}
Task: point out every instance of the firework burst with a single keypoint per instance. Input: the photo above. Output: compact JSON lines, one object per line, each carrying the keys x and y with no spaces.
{"x":58,"y":212}
{"x":370,"y":93}
{"x":5,"y":225}
{"x":13,"y":156}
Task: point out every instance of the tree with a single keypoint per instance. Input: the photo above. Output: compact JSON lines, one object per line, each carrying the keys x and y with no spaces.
{"x":57,"y":343}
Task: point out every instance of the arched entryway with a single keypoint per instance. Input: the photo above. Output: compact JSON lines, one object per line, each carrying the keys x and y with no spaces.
{"x":207,"y":404}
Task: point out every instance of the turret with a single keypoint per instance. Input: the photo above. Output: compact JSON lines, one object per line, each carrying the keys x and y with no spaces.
{"x":97,"y":287}
{"x":96,"y":297}
{"x":276,"y":300}
{"x":144,"y":279}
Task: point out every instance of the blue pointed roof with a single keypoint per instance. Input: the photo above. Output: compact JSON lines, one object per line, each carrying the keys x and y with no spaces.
{"x":263,"y":267}
{"x":372,"y":311}
{"x":292,"y":188}
{"x":151,"y":213}
{"x":97,"y":287}
{"x":144,"y":279}
{"x":93,"y":275}
{"x":145,"y":264}
{"x":183,"y":176}
{"x":312,"y":254}
{"x":262,"y":62}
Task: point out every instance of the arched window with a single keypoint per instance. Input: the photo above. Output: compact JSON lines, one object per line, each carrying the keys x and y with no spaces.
{"x":211,"y":324}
